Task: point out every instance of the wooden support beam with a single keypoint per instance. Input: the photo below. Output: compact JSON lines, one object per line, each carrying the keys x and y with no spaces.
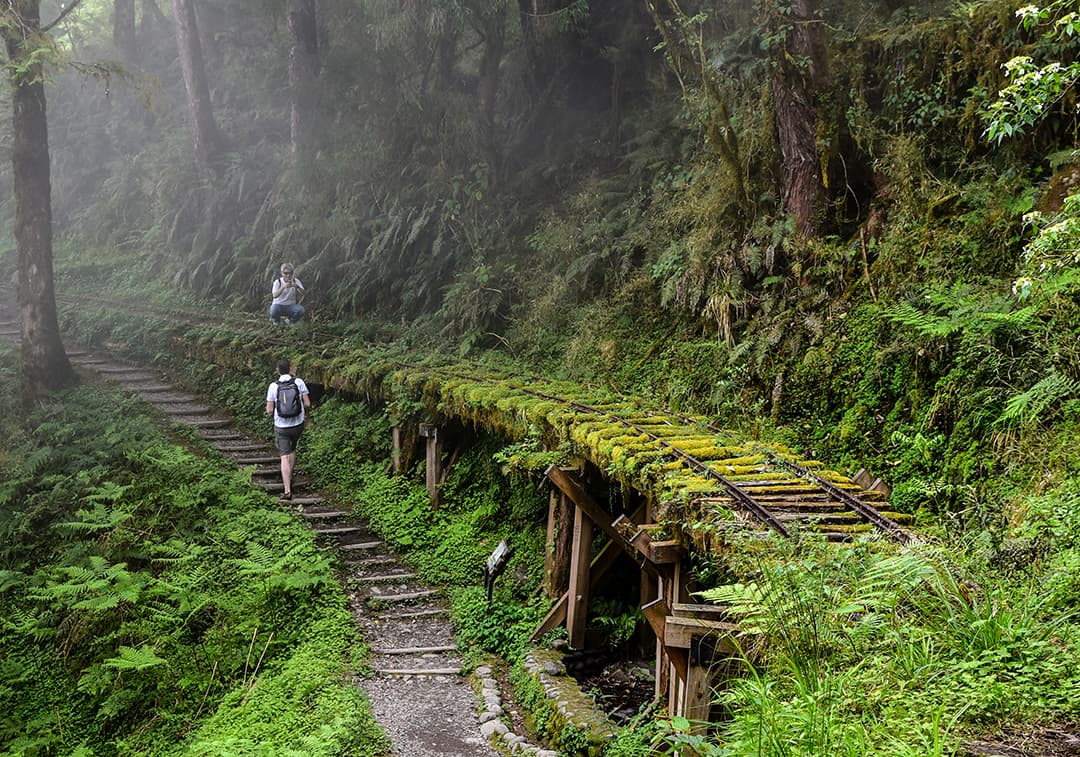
{"x":395,"y":455}
{"x":663,"y":552}
{"x":585,"y":503}
{"x":578,"y":601}
{"x":560,"y":531}
{"x":433,"y":467}
{"x":554,"y":618}
{"x":696,"y":697}
{"x":601,"y":564}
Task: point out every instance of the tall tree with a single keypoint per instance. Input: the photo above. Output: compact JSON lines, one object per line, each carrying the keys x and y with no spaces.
{"x":798,"y":70}
{"x":124,"y":30}
{"x":44,"y":365}
{"x":303,"y":76}
{"x":207,"y":138}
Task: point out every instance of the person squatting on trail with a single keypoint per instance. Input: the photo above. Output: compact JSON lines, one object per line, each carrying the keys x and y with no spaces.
{"x":290,"y":414}
{"x":286,"y":292}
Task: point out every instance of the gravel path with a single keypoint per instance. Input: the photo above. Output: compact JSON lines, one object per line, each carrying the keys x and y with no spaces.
{"x":419,"y":696}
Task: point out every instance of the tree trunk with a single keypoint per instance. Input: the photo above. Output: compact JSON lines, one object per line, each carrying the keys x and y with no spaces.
{"x":798,"y":72}
{"x":207,"y":138}
{"x":303,"y":77}
{"x":493,"y":31}
{"x":151,"y":15}
{"x":44,"y":364}
{"x":124,"y":31}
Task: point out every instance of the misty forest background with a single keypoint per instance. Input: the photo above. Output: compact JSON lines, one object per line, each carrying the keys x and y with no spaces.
{"x":814,"y":221}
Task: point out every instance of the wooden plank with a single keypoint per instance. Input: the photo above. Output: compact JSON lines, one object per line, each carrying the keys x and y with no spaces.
{"x":699,"y":610}
{"x":578,"y":602}
{"x":550,"y":589}
{"x":863,"y":478}
{"x":665,"y":552}
{"x":679,"y":632}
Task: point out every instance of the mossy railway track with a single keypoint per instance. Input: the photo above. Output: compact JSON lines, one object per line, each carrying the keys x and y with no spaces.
{"x":705,"y":482}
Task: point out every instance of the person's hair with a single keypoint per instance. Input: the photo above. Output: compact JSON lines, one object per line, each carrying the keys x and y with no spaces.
{"x":283,"y":367}
{"x":286,"y":268}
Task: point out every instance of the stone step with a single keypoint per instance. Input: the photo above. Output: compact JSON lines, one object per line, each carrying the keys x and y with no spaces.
{"x":341,"y":530}
{"x":429,"y":612}
{"x":409,"y":596}
{"x":175,"y":409}
{"x":418,"y":672}
{"x":369,"y":562}
{"x":361,"y":546}
{"x":200,"y":421}
{"x":255,"y":460}
{"x":387,"y":577}
{"x":148,"y":387}
{"x":226,"y":435}
{"x":229,"y":435}
{"x":126,"y":375}
{"x":172,"y":396}
{"x":415,"y":650}
{"x":307,"y":500}
{"x":324,"y":514}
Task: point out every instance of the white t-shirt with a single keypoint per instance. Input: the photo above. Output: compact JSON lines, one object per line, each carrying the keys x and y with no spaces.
{"x":288,"y":295}
{"x":271,"y":396}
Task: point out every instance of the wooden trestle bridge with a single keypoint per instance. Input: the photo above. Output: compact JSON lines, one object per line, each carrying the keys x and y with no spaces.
{"x":762,"y":491}
{"x":685,"y":486}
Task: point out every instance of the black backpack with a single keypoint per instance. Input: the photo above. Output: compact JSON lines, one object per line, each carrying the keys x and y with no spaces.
{"x":289,"y":404}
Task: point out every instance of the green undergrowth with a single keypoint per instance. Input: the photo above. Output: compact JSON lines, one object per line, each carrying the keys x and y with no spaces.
{"x":860,"y":651}
{"x":155,"y":603}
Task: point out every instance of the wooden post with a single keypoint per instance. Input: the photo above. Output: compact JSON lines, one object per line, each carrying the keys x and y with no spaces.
{"x":560,"y":533}
{"x":697,"y":696}
{"x":433,"y":467}
{"x":578,"y":606}
{"x":395,"y":455}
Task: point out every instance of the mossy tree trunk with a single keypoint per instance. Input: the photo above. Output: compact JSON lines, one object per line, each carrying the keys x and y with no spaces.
{"x":798,"y":73}
{"x":44,"y":364}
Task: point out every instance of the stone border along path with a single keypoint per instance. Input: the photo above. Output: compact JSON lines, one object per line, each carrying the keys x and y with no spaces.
{"x":417,"y":691}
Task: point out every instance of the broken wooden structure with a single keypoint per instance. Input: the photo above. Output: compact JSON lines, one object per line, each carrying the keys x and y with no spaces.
{"x":693,"y":642}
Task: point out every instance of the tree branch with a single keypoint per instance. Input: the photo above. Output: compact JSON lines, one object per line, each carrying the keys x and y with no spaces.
{"x":74,"y":4}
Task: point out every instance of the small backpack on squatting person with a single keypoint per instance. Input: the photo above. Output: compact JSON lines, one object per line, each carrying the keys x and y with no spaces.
{"x":288,"y":398}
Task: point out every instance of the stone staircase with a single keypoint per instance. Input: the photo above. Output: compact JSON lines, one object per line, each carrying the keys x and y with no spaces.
{"x":416,"y":684}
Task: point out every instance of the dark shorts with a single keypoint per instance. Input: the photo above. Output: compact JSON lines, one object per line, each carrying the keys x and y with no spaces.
{"x":286,"y":437}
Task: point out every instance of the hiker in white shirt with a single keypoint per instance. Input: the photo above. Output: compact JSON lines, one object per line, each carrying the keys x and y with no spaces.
{"x":288,"y":427}
{"x":286,"y":291}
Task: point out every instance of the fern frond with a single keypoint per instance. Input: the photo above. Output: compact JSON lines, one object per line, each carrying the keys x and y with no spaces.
{"x":1027,"y":407}
{"x":134,"y":659}
{"x":926,"y":324}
